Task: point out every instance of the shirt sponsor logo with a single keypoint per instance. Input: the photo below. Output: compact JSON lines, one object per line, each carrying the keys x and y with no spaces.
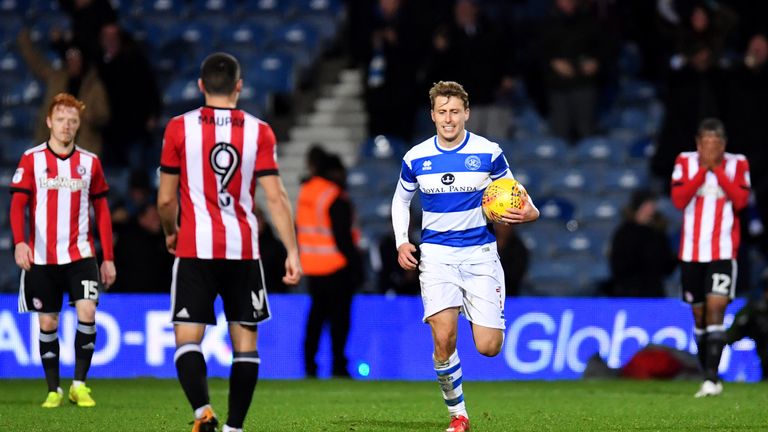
{"x":18,"y":175}
{"x":472,"y":163}
{"x":711,"y":190}
{"x":448,"y":179}
{"x":62,"y":183}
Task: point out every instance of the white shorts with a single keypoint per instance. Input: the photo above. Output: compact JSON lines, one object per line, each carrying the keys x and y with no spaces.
{"x":477,"y":289}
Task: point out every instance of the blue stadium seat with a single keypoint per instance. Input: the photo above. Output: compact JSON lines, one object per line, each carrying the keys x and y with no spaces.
{"x":155,"y":8}
{"x":182,"y":94}
{"x":299,"y":38}
{"x":573,"y":183}
{"x":541,"y":151}
{"x":18,"y":120}
{"x":269,"y":10}
{"x":584,"y":243}
{"x":630,"y":59}
{"x":14,"y":147}
{"x":323,"y":15}
{"x":623,"y":180}
{"x":538,"y":239}
{"x":598,"y":150}
{"x":528,"y":124}
{"x":637,"y":119}
{"x":558,"y":278}
{"x":41,"y":27}
{"x":532,"y":178}
{"x":594,"y":211}
{"x":373,"y":176}
{"x":556,"y":211}
{"x":634,"y":91}
{"x":642,"y":149}
{"x":273,"y":71}
{"x":244,"y":38}
{"x":383,"y":147}
{"x":25,"y":92}
{"x":207,"y":8}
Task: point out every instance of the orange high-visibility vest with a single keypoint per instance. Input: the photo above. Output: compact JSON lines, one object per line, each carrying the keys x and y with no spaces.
{"x":317,"y":248}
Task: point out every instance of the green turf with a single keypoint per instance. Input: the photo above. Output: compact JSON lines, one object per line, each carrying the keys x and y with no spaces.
{"x":343,"y":405}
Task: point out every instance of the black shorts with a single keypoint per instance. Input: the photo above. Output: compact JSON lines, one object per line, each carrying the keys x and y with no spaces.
{"x":700,"y":279}
{"x":240,"y":283}
{"x":43,"y":286}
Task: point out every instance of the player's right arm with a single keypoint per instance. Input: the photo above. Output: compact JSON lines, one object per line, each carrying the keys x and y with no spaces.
{"x":21,"y":188}
{"x":683,"y":187}
{"x":401,"y":217}
{"x":167,"y":191}
{"x":282,"y":216}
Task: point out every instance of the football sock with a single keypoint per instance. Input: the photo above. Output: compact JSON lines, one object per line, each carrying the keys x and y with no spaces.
{"x":715,"y":345}
{"x":85,"y":342}
{"x":242,"y":382}
{"x":192,"y":373}
{"x":49,"y":354}
{"x":701,"y":345}
{"x":449,"y":376}
{"x":228,"y":428}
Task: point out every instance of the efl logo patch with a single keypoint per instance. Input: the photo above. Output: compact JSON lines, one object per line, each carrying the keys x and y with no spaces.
{"x":18,"y":175}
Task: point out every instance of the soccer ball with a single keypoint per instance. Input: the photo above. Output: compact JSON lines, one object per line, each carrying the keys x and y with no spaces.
{"x":500,"y":195}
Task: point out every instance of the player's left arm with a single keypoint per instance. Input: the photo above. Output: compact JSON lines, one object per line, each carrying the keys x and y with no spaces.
{"x":279,"y":207}
{"x":98,"y":194}
{"x":168,"y":207}
{"x":738,"y":189}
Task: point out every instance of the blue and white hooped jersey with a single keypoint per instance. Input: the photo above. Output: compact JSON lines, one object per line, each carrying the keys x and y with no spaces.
{"x":451,"y":183}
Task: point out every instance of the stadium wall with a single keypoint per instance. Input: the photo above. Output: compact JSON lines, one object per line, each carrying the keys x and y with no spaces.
{"x":546,"y":338}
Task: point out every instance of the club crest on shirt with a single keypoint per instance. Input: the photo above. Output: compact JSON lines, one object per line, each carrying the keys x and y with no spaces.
{"x":81,"y":170}
{"x":472,"y":163}
{"x":18,"y":175}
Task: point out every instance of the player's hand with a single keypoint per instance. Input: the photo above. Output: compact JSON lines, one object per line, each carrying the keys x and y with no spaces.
{"x":521,"y":215}
{"x":108,"y":273}
{"x":170,"y":242}
{"x":23,"y":255}
{"x":292,"y":269}
{"x":405,"y":256}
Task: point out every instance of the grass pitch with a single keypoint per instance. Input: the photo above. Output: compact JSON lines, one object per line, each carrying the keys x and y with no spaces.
{"x":345,"y":405}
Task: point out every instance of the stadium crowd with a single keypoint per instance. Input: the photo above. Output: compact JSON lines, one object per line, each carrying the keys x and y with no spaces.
{"x":642,"y":72}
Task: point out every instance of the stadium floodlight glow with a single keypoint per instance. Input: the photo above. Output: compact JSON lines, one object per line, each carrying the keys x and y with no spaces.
{"x":364,"y":369}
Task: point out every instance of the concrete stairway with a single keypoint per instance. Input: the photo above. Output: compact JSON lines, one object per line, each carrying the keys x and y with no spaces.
{"x":337,"y":120}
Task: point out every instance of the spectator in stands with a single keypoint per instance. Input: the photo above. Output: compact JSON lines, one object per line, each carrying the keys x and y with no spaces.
{"x":140,"y":192}
{"x":470,"y":50}
{"x":395,"y":57}
{"x":88,"y":17}
{"x":76,"y":78}
{"x":746,"y":110}
{"x":641,"y":255}
{"x":514,"y":257}
{"x":134,"y":99}
{"x":273,"y":254}
{"x":694,"y":93}
{"x":330,"y":260}
{"x":140,"y":253}
{"x":571,"y":53}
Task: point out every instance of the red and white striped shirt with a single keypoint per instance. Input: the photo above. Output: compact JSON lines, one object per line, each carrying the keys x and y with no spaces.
{"x":60,"y":191}
{"x":219,"y":153}
{"x":710,"y":201}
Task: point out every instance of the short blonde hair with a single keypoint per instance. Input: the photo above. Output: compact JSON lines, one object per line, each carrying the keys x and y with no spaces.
{"x":67,"y":100}
{"x":448,"y":89}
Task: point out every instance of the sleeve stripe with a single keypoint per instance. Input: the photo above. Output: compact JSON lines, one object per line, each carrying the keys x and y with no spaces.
{"x":100,"y":195}
{"x":170,"y":170}
{"x":20,"y":190}
{"x":266,"y":172}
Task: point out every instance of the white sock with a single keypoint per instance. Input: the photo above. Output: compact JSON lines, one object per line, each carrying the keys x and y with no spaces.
{"x":450,"y":377}
{"x":228,"y":428}
{"x":199,"y":412}
{"x":77,"y":384}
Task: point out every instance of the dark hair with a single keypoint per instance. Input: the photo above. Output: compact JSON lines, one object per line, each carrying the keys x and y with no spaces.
{"x":712,"y":125}
{"x":220,"y":73}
